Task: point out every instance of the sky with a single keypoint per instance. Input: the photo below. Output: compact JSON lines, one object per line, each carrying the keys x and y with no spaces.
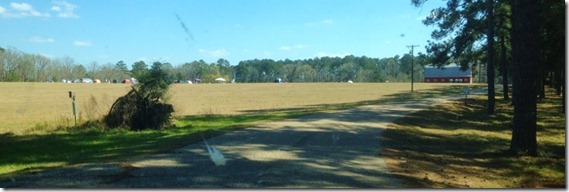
{"x":181,"y":31}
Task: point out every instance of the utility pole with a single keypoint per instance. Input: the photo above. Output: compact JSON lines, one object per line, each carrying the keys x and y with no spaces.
{"x":412,"y":65}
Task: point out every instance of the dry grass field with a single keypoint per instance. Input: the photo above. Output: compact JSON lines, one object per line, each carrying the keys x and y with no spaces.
{"x":28,"y":106}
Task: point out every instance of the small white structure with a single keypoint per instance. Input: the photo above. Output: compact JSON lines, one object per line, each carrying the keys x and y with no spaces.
{"x":350,"y":81}
{"x":221,"y":80}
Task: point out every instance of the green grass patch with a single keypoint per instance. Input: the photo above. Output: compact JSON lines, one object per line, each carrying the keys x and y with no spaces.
{"x":37,"y":152}
{"x":460,"y":146}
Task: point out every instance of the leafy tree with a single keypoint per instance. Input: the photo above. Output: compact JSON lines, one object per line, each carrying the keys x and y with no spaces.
{"x":170,"y":71}
{"x":304,"y":73}
{"x":211,"y":73}
{"x":79,"y":71}
{"x":123,"y":69}
{"x":553,"y":44}
{"x":139,"y":69}
{"x":225,"y":69}
{"x":121,"y":66}
{"x":93,"y":70}
{"x":503,"y":29}
{"x":108,"y":72}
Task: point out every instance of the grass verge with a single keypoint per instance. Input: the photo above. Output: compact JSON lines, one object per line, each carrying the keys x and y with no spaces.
{"x":459,"y":146}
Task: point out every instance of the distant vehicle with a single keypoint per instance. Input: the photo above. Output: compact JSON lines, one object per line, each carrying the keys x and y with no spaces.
{"x":278,"y":80}
{"x":83,"y":80}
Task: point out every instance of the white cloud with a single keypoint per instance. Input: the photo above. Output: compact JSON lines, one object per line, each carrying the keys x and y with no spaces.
{"x":36,"y":39}
{"x":61,"y":8}
{"x":56,"y":8}
{"x":38,"y":14}
{"x":288,"y":48}
{"x":23,"y":7}
{"x":285,"y":48}
{"x":64,"y":9}
{"x":21,"y":10}
{"x":218,"y":53}
{"x":320,"y":23}
{"x":82,"y":43}
{"x":324,"y":54}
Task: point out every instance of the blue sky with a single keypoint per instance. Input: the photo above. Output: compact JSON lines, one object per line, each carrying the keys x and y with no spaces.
{"x":179,"y":31}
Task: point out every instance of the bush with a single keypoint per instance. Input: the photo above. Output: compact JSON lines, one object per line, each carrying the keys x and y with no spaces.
{"x":143,"y":106}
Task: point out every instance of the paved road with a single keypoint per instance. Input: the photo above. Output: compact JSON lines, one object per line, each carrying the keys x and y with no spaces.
{"x":327,"y":150}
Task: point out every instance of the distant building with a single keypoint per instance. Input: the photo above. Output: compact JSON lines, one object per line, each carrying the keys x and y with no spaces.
{"x":447,"y":74}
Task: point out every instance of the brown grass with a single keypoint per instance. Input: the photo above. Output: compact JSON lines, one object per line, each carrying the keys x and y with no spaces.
{"x":29,"y":107}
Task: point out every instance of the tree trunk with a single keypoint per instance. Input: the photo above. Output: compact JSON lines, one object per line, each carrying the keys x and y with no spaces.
{"x":562,"y":87}
{"x":525,"y":35}
{"x":541,"y":85}
{"x":558,"y":81}
{"x":490,"y":66}
{"x":504,"y":64}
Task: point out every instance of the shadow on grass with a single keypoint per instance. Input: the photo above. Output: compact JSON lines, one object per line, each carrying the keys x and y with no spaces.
{"x":460,"y":146}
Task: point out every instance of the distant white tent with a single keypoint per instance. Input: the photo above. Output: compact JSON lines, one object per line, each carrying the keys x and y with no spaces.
{"x":220,"y":79}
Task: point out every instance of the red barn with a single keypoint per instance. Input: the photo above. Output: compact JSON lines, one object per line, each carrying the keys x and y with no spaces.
{"x":448,"y":74}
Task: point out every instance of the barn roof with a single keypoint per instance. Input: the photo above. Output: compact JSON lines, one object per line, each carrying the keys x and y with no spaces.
{"x":449,"y":71}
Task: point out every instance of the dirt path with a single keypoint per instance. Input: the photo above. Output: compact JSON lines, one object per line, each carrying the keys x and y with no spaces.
{"x":327,"y":150}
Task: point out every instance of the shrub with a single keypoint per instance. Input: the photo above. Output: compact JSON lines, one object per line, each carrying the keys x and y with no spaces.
{"x":143,"y":106}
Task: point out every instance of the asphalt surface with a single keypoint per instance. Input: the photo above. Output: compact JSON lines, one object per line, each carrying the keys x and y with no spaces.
{"x":339,"y":149}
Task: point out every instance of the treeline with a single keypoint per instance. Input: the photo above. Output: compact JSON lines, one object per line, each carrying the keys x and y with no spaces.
{"x":17,"y":66}
{"x":332,"y":69}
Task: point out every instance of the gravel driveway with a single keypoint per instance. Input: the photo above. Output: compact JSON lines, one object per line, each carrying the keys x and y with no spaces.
{"x":327,"y":150}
